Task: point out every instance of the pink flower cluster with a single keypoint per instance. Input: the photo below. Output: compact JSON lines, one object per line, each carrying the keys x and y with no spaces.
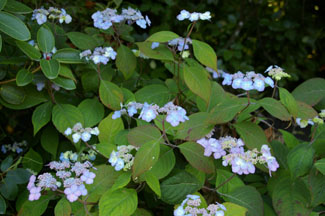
{"x":232,"y":152}
{"x":175,"y":114}
{"x":72,"y":176}
{"x":190,"y":207}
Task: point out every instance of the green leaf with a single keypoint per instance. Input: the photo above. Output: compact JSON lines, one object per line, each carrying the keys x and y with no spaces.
{"x":50,"y":68}
{"x":234,"y":210}
{"x":41,"y":116}
{"x":29,"y":50}
{"x":45,"y":39}
{"x":65,"y":83}
{"x":92,"y":110}
{"x":197,"y":81}
{"x":66,"y":115}
{"x":18,"y":176}
{"x":289,"y":101}
{"x":141,"y":211}
{"x":109,"y":128}
{"x":160,"y":53}
{"x":305,"y":111}
{"x":275,"y":108}
{"x":12,"y":94}
{"x":6,"y":163}
{"x":119,"y":202}
{"x":205,"y":54}
{"x":17,"y":7}
{"x":68,"y":56}
{"x":2,"y":4}
{"x":194,"y":154}
{"x":300,"y":160}
{"x":33,"y":161}
{"x":24,"y":77}
{"x":155,"y":93}
{"x":320,"y":165}
{"x":175,"y":188}
{"x":248,"y":197}
{"x":9,"y":189}
{"x":105,"y":148}
{"x":122,"y":181}
{"x":106,"y":176}
{"x":289,"y":139}
{"x":280,"y":153}
{"x":316,"y":186}
{"x":231,"y":185}
{"x":290,"y":198}
{"x":153,"y":183}
{"x":0,"y":43}
{"x":82,"y":41}
{"x":311,"y":91}
{"x":126,"y":61}
{"x":35,"y":208}
{"x":165,"y":163}
{"x":198,"y":125}
{"x":252,"y":134}
{"x":199,"y":175}
{"x":65,"y":71}
{"x":162,"y":36}
{"x":3,"y":205}
{"x":145,"y":158}
{"x":13,"y":26}
{"x":218,"y":97}
{"x":110,"y":95}
{"x":62,"y":208}
{"x":50,"y":140}
{"x":143,"y":134}
{"x":32,"y":98}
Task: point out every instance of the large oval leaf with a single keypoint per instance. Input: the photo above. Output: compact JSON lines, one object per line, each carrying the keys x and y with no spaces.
{"x":300,"y":159}
{"x":110,"y":95}
{"x":126,"y":61}
{"x":66,"y":115}
{"x":311,"y":91}
{"x":109,"y":128}
{"x":155,"y":93}
{"x":45,"y":39}
{"x":275,"y":108}
{"x":205,"y":54}
{"x":13,"y":26}
{"x":29,"y":50}
{"x":162,"y":36}
{"x":50,"y":68}
{"x":68,"y":56}
{"x":41,"y":116}
{"x":12,"y":94}
{"x":82,"y":41}
{"x":24,"y":77}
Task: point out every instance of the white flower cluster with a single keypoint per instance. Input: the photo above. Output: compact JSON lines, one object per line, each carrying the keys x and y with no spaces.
{"x":78,"y":132}
{"x":232,"y":152}
{"x":41,"y":15}
{"x":123,"y":158}
{"x":15,"y":147}
{"x":72,"y":176}
{"x":247,"y":82}
{"x":105,"y":19}
{"x":177,"y":42}
{"x":73,"y":157}
{"x":276,"y":72}
{"x":195,"y":16}
{"x":316,"y":120}
{"x":175,"y":114}
{"x":99,"y":55}
{"x":190,"y":207}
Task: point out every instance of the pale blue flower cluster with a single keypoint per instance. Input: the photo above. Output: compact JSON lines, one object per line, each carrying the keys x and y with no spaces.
{"x":195,"y":16}
{"x":123,"y":157}
{"x":73,"y":157}
{"x":99,"y":55}
{"x":41,"y":15}
{"x":180,"y":43}
{"x":16,"y":147}
{"x":78,"y":132}
{"x":190,"y":207}
{"x":232,"y":152}
{"x":249,"y":81}
{"x":175,"y":114}
{"x":105,"y":19}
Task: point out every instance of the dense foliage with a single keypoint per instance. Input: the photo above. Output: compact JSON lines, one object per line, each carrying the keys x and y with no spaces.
{"x":106,"y":110}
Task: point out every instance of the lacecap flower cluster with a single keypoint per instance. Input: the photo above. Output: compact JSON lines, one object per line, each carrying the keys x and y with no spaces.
{"x":99,"y":55}
{"x":71,"y":176}
{"x":78,"y":132}
{"x":16,"y":147}
{"x":123,"y":157}
{"x":239,"y":80}
{"x":195,"y":16}
{"x":316,"y":120}
{"x":41,"y":15}
{"x":106,"y":18}
{"x":175,"y":114}
{"x":232,"y":152}
{"x":70,"y":156}
{"x":190,"y":207}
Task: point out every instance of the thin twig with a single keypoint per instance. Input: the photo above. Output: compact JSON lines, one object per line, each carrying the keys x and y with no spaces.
{"x":12,"y":80}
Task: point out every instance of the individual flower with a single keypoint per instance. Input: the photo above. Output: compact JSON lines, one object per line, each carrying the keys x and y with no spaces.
{"x":148,"y":113}
{"x":154,"y":45}
{"x":88,"y":177}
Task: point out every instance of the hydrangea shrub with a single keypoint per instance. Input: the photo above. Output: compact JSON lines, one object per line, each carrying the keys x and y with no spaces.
{"x":120,"y":124}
